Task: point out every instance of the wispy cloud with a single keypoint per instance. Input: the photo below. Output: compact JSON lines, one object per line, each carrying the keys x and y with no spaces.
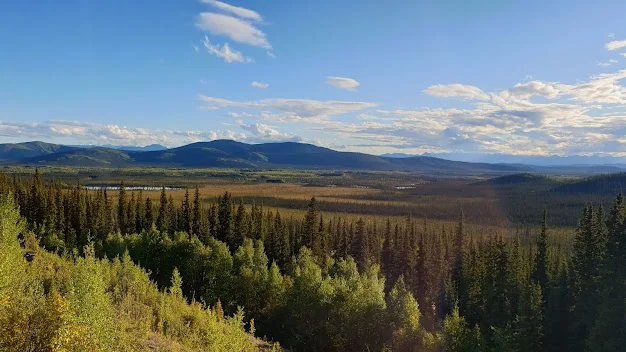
{"x":366,"y":117}
{"x":259,"y":85}
{"x":607,"y":63}
{"x":292,"y":109}
{"x":263,"y":133}
{"x":342,"y":82}
{"x":234,"y":28}
{"x":237,"y":11}
{"x":225,"y":52}
{"x":456,"y":90}
{"x":615,"y":44}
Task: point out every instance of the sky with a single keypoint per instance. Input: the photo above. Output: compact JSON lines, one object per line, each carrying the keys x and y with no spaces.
{"x":531,"y":78}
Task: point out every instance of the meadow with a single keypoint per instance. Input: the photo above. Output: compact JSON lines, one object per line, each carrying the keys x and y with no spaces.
{"x":373,"y":195}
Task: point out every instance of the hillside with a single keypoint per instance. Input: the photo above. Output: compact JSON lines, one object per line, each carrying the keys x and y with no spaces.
{"x":231,"y":154}
{"x":607,"y":184}
{"x":51,"y":303}
{"x":17,"y":151}
{"x":518,"y":179}
{"x":99,"y":156}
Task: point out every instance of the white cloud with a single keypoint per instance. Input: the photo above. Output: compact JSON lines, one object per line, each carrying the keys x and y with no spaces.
{"x":292,"y":109}
{"x":600,"y":89}
{"x":456,"y":90}
{"x":342,"y":82}
{"x":615,"y":44}
{"x":225,"y":52}
{"x":112,"y":134}
{"x":624,"y":55}
{"x":259,"y":85}
{"x":234,"y":28}
{"x":264,"y":133}
{"x":238,"y":115}
{"x":532,"y":88}
{"x":82,"y":131}
{"x":271,"y":54}
{"x":237,"y":11}
{"x":607,"y":63}
{"x":366,"y":117}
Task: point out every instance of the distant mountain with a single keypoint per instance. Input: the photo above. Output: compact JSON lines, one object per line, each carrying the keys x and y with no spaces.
{"x":231,"y":154}
{"x":17,"y":151}
{"x":96,"y":156}
{"x":607,"y":184}
{"x":399,"y":155}
{"x":130,"y":148}
{"x":537,"y":160}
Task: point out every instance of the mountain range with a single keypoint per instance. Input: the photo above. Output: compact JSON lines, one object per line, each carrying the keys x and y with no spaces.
{"x":232,"y":154}
{"x":537,"y":160}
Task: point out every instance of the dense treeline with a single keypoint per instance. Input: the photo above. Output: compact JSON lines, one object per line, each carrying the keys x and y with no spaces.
{"x":81,"y":303}
{"x":317,"y":283}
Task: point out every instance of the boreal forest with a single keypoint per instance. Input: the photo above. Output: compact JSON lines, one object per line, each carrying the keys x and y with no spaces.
{"x":114,"y":270}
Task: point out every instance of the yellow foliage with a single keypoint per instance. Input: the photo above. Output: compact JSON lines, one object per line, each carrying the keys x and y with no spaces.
{"x":55,"y":304}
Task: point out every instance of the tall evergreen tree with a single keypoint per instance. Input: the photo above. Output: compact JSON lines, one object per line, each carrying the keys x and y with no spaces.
{"x":586,"y":263}
{"x":149,"y":215}
{"x":196,"y":214}
{"x":186,"y":219}
{"x":310,"y":226}
{"x":239,"y":231}
{"x":609,"y":330}
{"x":162,"y":221}
{"x":540,"y":273}
{"x":224,"y":218}
{"x":122,"y":211}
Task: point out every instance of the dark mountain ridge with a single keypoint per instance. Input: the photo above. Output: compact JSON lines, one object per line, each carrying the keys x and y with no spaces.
{"x":232,"y":154}
{"x":17,"y":151}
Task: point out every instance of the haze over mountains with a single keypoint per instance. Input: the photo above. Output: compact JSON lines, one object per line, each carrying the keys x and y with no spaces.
{"x":552,"y":160}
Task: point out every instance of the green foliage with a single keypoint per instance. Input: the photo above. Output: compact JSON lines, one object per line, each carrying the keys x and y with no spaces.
{"x":457,"y":336}
{"x":459,"y":291}
{"x":87,"y":304}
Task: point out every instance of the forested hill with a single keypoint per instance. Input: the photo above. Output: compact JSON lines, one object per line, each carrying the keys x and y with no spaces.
{"x":231,"y":154}
{"x":607,"y":184}
{"x":22,"y":151}
{"x":517,"y":179}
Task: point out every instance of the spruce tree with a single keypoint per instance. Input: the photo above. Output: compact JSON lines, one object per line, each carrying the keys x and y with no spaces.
{"x":224,"y":219}
{"x":186,"y":219}
{"x":196,"y":214}
{"x":528,"y":325}
{"x":162,"y":221}
{"x":149,"y":215}
{"x":540,"y":273}
{"x":122,"y":212}
{"x":609,"y":330}
{"x":586,"y":263}
{"x":239,"y":231}
{"x":310,"y":226}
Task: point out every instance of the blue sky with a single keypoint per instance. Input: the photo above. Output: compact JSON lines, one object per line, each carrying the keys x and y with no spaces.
{"x":479,"y":77}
